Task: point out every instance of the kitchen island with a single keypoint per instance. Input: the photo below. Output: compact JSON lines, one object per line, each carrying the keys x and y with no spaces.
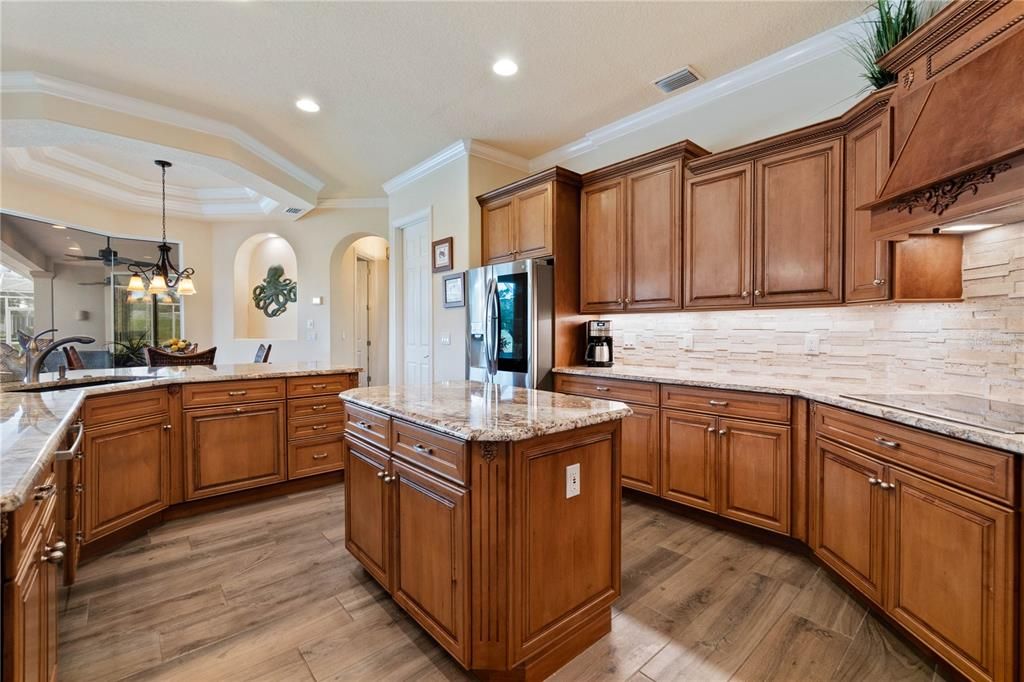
{"x":491,"y":515}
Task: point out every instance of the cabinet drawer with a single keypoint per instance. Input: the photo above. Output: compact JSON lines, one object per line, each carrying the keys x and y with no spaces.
{"x":642,"y":392}
{"x":772,"y":408}
{"x":310,"y":457}
{"x":299,"y":387}
{"x":118,"y":407}
{"x":315,"y":407}
{"x":434,"y":451}
{"x":231,"y":392}
{"x":38,"y":510}
{"x":310,"y":427}
{"x":371,"y":426}
{"x":985,"y":471}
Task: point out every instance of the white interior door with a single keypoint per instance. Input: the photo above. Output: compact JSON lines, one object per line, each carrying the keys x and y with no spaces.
{"x":416,"y":304}
{"x":362,"y":315}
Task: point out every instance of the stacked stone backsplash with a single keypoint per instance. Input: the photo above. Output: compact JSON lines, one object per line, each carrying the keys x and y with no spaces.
{"x":974,"y":347}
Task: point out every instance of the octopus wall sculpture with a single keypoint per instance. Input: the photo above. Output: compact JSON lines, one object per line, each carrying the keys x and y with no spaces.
{"x":275,"y":292}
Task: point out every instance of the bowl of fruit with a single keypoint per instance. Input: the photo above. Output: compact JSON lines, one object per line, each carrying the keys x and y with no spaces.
{"x":176,"y":345}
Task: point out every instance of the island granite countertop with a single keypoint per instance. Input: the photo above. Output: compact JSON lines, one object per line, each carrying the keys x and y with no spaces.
{"x":32,"y":425}
{"x":827,"y":392}
{"x":471,"y":410}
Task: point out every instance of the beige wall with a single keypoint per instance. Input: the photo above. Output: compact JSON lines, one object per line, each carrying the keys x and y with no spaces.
{"x":974,"y":347}
{"x":49,"y":204}
{"x":344,"y":309}
{"x":450,"y":194}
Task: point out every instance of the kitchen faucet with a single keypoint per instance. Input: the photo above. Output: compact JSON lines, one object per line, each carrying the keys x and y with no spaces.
{"x":34,"y":358}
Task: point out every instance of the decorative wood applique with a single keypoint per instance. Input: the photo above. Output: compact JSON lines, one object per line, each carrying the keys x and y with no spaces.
{"x":488,"y":451}
{"x":908,"y":78}
{"x":275,"y":292}
{"x":941,"y":196}
{"x":3,"y":526}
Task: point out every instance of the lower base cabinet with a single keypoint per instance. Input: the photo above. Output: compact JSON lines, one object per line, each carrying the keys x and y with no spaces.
{"x":367,"y":509}
{"x":640,"y":443}
{"x":940,"y":562}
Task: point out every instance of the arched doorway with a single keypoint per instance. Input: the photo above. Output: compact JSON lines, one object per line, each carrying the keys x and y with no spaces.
{"x":359,"y":306}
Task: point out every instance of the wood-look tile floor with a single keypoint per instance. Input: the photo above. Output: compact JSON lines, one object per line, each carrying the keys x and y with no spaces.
{"x":268,"y":592}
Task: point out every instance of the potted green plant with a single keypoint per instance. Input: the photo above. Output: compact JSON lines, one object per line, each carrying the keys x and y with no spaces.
{"x":891,"y":22}
{"x":130,"y":352}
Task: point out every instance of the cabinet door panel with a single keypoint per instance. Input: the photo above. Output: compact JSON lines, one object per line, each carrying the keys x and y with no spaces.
{"x":654,"y":244}
{"x":127,"y":474}
{"x":798,"y":203}
{"x":532,"y":227}
{"x":689,"y":459}
{"x":867,"y":262}
{"x":847,"y":515}
{"x":718,"y":232}
{"x":602,"y":256}
{"x":24,"y":623}
{"x":496,"y":231}
{"x":431,"y":577}
{"x":951,"y":574}
{"x":367,"y":514}
{"x":640,"y":449}
{"x":234,"y":448}
{"x":754,"y":472}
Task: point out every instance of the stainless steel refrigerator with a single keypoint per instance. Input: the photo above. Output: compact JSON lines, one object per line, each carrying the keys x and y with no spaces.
{"x":511,"y":320}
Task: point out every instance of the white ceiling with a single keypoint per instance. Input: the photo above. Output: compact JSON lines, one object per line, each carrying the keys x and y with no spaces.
{"x":398,"y":81}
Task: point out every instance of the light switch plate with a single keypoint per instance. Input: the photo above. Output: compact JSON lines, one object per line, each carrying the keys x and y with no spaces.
{"x":812,"y":343}
{"x":317,"y":300}
{"x":629,"y":340}
{"x":686,"y":342}
{"x":572,"y":480}
{"x":446,"y":339}
{"x":310,"y":324}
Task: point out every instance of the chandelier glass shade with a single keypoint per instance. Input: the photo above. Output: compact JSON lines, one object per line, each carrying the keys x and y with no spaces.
{"x":162,"y":276}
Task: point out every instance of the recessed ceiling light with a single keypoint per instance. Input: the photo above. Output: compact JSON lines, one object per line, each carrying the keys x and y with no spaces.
{"x":308,"y":105}
{"x":59,"y":227}
{"x":505,"y":67}
{"x":968,"y":227}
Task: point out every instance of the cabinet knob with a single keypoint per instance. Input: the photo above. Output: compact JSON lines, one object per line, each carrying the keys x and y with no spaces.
{"x":381,"y":474}
{"x":878,"y":282}
{"x":886,"y":486}
{"x":619,"y":301}
{"x":45,"y":491}
{"x":745,"y":293}
{"x":238,"y":410}
{"x":167,"y":427}
{"x":722,"y":432}
{"x":758,"y":292}
{"x":79,"y":487}
{"x":389,"y":479}
{"x":874,"y":481}
{"x":52,"y":556}
{"x":59,"y":546}
{"x":711,"y":429}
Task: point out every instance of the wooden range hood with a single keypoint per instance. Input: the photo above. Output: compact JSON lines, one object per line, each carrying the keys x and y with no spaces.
{"x":956,"y":121}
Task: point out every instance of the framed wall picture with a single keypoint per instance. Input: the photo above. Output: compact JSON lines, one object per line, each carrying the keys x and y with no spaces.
{"x":455,"y":290}
{"x":443,"y":254}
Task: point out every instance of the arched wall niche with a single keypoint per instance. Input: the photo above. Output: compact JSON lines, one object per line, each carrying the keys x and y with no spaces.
{"x":252,"y":259}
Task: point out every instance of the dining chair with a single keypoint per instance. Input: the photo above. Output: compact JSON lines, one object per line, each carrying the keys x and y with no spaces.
{"x":161,"y":358}
{"x":73,"y":359}
{"x":263,"y":353}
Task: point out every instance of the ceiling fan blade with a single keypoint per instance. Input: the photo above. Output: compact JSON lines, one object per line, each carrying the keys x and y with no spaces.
{"x":77,"y":257}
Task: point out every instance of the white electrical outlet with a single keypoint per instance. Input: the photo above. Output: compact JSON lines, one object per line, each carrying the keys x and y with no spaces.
{"x":310,"y":324}
{"x":686,"y":342}
{"x":572,"y":480}
{"x":629,"y":340}
{"x":811,"y":344}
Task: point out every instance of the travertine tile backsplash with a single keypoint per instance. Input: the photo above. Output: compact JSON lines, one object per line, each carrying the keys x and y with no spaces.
{"x":974,"y":347}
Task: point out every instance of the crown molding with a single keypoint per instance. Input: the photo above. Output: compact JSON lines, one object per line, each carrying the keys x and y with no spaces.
{"x":814,"y":48}
{"x":364,"y":202}
{"x":456,"y":150}
{"x":38,"y":83}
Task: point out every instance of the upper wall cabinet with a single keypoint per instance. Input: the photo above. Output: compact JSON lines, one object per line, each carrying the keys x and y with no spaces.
{"x":631,"y":235}
{"x":520,"y":220}
{"x":957,"y":128}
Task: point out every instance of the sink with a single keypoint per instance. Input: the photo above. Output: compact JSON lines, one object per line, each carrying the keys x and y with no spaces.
{"x":64,"y":385}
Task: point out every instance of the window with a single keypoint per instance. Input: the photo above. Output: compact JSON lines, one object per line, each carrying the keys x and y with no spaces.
{"x":141,"y":319}
{"x":17,"y":305}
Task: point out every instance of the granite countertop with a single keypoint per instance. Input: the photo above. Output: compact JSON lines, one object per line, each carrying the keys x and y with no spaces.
{"x":32,"y":425}
{"x":471,"y":410}
{"x":827,"y":392}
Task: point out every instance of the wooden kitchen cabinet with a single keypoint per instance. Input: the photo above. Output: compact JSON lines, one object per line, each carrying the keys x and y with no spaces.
{"x":431,"y":554}
{"x":234,"y":447}
{"x":689,"y":459}
{"x":631,"y":233}
{"x":127,"y":473}
{"x":368,"y":508}
{"x":868,"y":263}
{"x":718,"y":231}
{"x":641,"y":448}
{"x":519,"y":225}
{"x":798,"y":213}
{"x":496,"y":230}
{"x":754,"y":471}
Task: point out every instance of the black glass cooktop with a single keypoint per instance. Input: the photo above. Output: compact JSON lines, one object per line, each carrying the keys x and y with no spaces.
{"x":994,"y":415}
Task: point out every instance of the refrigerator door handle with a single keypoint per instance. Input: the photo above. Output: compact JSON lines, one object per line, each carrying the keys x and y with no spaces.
{"x":491,"y":326}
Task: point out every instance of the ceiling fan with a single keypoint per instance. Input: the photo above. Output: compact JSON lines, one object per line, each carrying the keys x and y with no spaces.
{"x":108,"y":257}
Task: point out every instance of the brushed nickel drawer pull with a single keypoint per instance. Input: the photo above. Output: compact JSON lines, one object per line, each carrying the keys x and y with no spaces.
{"x":319,"y":385}
{"x":421,"y":448}
{"x":886,"y":442}
{"x":319,"y":427}
{"x":319,"y":407}
{"x":364,"y":425}
{"x":237,"y":392}
{"x":601,"y":388}
{"x":320,"y":455}
{"x":75,"y":449}
{"x":45,"y":491}
{"x":718,"y":403}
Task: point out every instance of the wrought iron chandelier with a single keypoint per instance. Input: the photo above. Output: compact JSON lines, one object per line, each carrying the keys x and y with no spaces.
{"x":162,"y":276}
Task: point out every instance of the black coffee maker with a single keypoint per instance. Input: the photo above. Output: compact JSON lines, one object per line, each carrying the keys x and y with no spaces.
{"x":599,"y":343}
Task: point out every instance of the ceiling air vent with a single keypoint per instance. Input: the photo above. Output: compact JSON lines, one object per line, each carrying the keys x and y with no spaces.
{"x":293,"y":211}
{"x":679,"y":79}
